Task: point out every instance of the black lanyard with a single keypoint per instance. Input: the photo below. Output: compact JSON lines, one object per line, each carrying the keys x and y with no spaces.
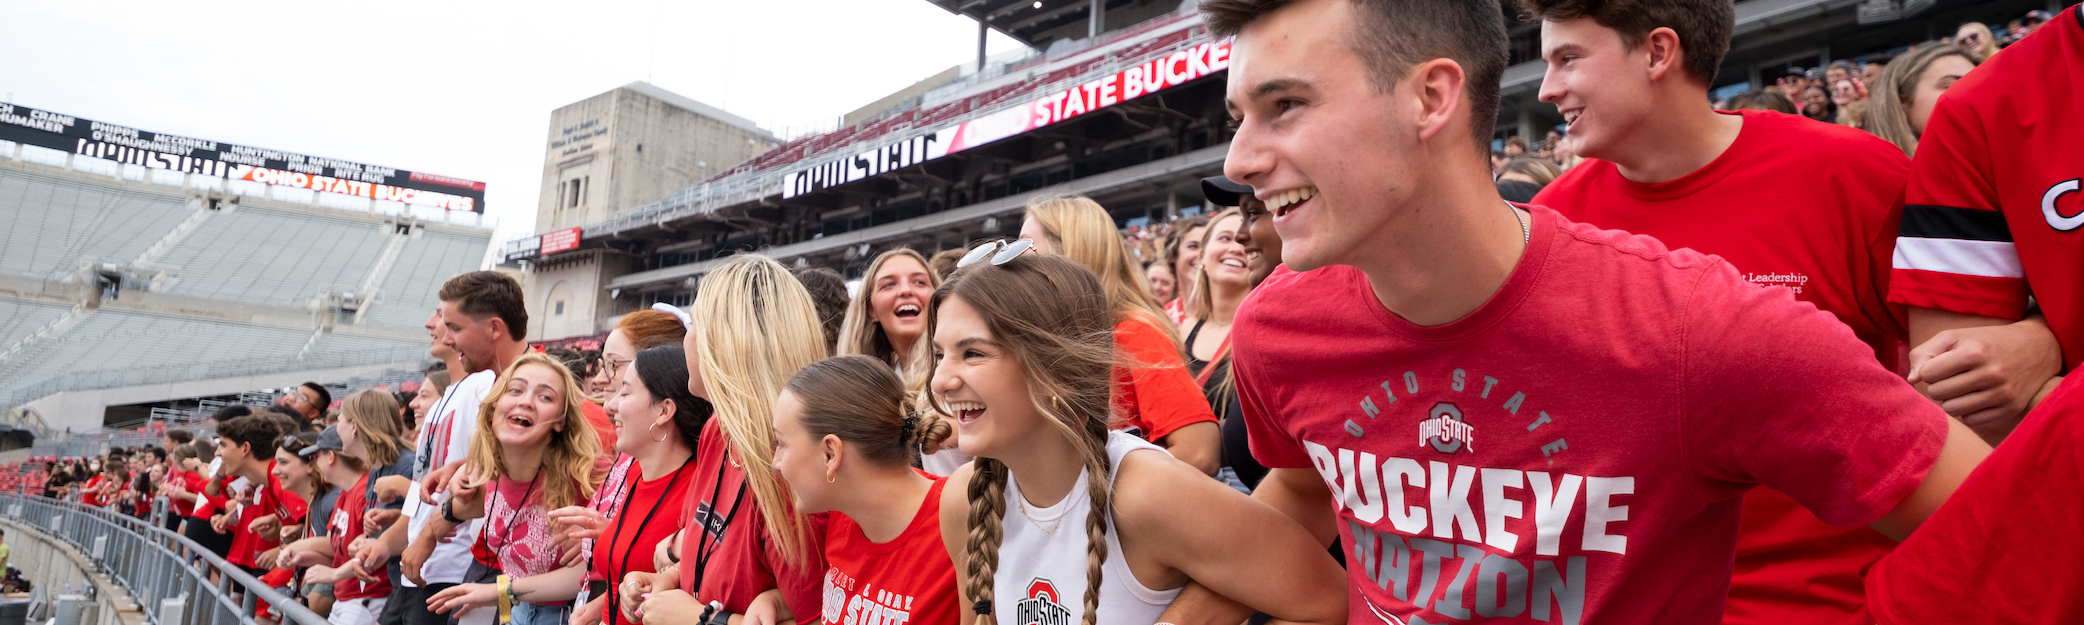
{"x":613,"y":599}
{"x":507,"y":537}
{"x":702,"y":542}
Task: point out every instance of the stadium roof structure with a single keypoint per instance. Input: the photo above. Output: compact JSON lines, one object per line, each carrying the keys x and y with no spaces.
{"x":1041,"y":23}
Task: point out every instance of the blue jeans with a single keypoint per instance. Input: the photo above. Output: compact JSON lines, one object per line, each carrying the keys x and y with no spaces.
{"x":526,"y":613}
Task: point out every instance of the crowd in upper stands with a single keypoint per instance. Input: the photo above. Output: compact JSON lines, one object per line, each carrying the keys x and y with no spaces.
{"x":1666,"y":387}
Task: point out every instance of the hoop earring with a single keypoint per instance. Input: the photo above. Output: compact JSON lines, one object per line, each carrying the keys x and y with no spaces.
{"x":829,"y":478}
{"x":661,"y":438}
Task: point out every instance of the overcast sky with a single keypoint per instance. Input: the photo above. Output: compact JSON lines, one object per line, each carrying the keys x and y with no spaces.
{"x":458,"y":88}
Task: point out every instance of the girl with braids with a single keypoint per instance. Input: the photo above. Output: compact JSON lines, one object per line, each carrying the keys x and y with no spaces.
{"x":644,"y":498}
{"x":1023,"y":353}
{"x":1155,"y":394}
{"x":845,"y":440}
{"x":538,"y":457}
{"x":754,"y":326}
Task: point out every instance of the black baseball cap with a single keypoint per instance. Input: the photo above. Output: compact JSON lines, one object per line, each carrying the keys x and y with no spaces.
{"x":328,"y":440}
{"x":1798,"y":72}
{"x":1223,"y":191}
{"x":2037,"y":16}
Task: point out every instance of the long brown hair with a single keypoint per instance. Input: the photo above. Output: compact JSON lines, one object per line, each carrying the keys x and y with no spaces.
{"x":860,"y":400}
{"x":375,"y":415}
{"x":567,"y":473}
{"x":1051,"y":315}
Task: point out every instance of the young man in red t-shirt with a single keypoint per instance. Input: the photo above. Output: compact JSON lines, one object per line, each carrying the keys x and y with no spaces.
{"x":1516,"y":417}
{"x":247,"y":447}
{"x":1990,"y":233}
{"x":1633,"y":80}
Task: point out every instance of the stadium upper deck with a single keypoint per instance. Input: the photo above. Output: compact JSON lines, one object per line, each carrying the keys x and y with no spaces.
{"x":127,"y":284}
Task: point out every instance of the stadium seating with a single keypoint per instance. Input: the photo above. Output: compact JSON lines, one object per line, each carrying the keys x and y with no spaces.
{"x":408,"y":293}
{"x":18,"y":318}
{"x":51,"y":226}
{"x":269,"y":256}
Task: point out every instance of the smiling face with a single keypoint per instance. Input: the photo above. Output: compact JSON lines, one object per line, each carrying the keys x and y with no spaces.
{"x":1843,"y":93}
{"x":1224,"y":259}
{"x":530,"y":408}
{"x":1160,"y":277}
{"x":425,"y":399}
{"x":290,"y":469}
{"x":616,"y":354}
{"x":1598,"y":84}
{"x":897,"y":298}
{"x":436,"y":331}
{"x":1262,"y":244}
{"x":1937,"y":77}
{"x":635,"y":413}
{"x":1331,"y":157}
{"x":799,"y":459}
{"x":1815,"y":103}
{"x":473,"y":340}
{"x":981,"y":383}
{"x":1189,"y":253}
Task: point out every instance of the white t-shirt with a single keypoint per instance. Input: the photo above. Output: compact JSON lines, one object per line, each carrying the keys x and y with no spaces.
{"x":445,"y":437}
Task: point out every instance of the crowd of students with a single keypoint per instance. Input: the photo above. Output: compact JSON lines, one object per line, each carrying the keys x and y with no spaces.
{"x":1736,"y":366}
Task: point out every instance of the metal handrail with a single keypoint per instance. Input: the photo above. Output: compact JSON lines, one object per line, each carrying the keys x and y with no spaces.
{"x":154,"y":564}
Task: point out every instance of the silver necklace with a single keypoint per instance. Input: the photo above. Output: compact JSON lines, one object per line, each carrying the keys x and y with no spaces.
{"x":1526,"y":235}
{"x":1023,"y":503}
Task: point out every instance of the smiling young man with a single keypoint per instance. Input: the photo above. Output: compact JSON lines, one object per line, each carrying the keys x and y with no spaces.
{"x":1632,"y":79}
{"x":482,"y":325}
{"x":1588,"y":406}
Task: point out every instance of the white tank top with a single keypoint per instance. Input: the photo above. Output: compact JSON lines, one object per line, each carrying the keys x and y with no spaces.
{"x":1041,"y":577}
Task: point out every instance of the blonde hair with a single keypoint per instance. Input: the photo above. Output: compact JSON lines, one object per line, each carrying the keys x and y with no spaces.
{"x":1079,"y":229}
{"x":1988,"y":48}
{"x":758,"y":327}
{"x":1888,"y":111}
{"x":375,"y":415}
{"x":860,"y":334}
{"x":567,"y":473}
{"x":1051,"y":315}
{"x":1201,"y":306}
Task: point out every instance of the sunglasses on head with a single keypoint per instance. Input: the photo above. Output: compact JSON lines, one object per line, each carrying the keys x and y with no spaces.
{"x":1000,"y":252}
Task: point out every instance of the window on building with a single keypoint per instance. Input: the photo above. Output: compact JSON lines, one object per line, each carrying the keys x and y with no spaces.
{"x":558,"y":308}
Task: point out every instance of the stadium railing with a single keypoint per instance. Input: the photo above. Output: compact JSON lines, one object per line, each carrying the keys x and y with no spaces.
{"x":156,"y":565}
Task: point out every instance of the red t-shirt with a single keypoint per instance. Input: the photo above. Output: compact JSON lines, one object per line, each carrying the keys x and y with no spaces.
{"x":206,"y":505}
{"x":907,"y":580}
{"x":181,"y":507}
{"x":640,"y":514}
{"x":1827,"y":239}
{"x":2003,"y":549}
{"x":90,"y":494}
{"x":743,"y":561}
{"x":344,"y":529}
{"x":245,"y":543}
{"x":1995,"y":201}
{"x":604,"y":427}
{"x":1627,"y":396}
{"x":1157,"y":396}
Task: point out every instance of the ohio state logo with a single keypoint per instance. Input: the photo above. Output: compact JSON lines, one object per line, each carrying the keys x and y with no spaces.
{"x":1444,"y":430}
{"x":1043,"y":606}
{"x":2055,"y":217}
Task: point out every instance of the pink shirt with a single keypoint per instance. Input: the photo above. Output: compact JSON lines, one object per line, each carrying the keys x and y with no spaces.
{"x":1576,"y":449}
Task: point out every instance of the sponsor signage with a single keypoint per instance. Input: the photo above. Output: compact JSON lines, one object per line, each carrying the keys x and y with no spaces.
{"x":1152,"y":76}
{"x":522,"y":249}
{"x":560,"y":241}
{"x":123,"y":144}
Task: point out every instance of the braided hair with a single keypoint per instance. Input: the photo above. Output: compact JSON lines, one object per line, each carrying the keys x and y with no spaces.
{"x":1052,"y":316}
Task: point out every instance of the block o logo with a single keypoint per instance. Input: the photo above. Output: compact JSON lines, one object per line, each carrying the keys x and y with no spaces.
{"x":1444,"y":430}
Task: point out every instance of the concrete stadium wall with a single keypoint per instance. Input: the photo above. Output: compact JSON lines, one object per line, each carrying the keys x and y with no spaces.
{"x":51,"y":565}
